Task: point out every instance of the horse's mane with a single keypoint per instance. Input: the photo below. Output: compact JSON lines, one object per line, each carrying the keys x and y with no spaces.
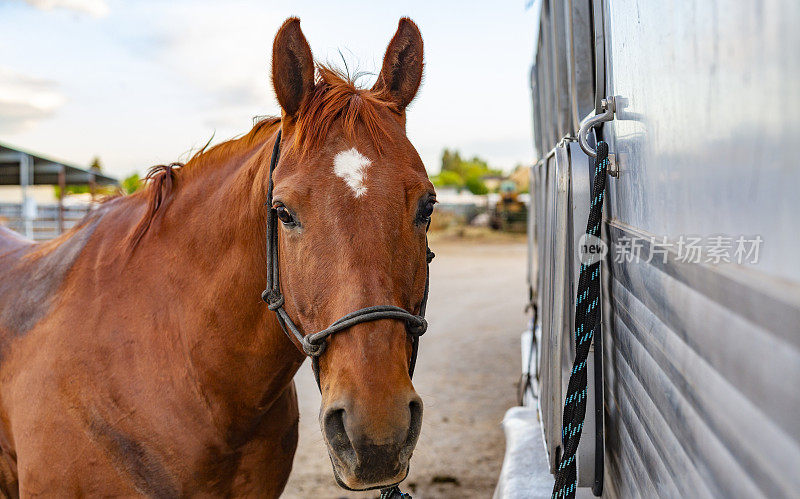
{"x":335,"y":95}
{"x":161,"y":179}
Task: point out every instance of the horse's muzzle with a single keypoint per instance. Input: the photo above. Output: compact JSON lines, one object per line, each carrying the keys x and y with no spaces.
{"x":372,"y":450}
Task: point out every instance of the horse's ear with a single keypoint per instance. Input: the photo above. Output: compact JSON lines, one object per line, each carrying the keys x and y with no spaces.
{"x":292,"y":66}
{"x":401,"y":73}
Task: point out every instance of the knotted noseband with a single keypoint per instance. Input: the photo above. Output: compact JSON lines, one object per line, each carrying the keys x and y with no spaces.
{"x":314,"y":344}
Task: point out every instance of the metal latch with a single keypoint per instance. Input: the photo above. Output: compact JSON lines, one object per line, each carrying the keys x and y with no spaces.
{"x":608,"y":105}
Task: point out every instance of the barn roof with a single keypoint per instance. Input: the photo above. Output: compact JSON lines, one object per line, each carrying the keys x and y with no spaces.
{"x":45,"y":169}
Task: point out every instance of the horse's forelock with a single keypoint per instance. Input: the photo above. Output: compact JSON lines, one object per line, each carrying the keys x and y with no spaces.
{"x":336,"y":97}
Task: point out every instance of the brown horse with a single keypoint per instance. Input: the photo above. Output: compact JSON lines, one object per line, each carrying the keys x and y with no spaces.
{"x":137,"y":356}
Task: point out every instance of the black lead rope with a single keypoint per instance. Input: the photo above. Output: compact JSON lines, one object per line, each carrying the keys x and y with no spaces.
{"x":587,"y":319}
{"x":393,"y":493}
{"x":314,"y":344}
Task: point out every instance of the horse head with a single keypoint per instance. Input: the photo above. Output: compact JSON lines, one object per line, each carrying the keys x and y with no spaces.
{"x":353,"y":202}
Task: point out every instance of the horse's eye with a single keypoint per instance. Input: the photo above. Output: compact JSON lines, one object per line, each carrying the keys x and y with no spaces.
{"x":285,"y":216}
{"x":425,"y":211}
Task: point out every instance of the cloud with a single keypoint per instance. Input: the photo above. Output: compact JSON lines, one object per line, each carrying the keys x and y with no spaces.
{"x":26,"y":100}
{"x":222,"y":53}
{"x":95,"y":8}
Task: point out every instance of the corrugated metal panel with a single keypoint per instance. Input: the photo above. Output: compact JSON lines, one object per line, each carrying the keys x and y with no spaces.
{"x":562,"y":192}
{"x":708,"y":110}
{"x":702,"y":360}
{"x":722,"y":385}
{"x":559,"y":46}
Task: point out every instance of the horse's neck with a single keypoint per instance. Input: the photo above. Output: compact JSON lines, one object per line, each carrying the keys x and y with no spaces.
{"x":212,"y":242}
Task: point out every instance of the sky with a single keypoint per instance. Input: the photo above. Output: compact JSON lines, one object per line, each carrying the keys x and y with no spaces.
{"x":146,"y":82}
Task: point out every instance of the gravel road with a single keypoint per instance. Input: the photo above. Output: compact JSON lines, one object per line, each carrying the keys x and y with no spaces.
{"x":466,"y":372}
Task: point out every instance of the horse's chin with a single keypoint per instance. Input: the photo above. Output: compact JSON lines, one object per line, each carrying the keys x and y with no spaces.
{"x":357,"y":479}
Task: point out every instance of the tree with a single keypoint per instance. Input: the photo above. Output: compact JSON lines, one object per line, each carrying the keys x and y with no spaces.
{"x":131,"y":183}
{"x":96,"y":164}
{"x":476,"y":186}
{"x":460,"y":173}
{"x":451,"y":161}
{"x":448,"y":178}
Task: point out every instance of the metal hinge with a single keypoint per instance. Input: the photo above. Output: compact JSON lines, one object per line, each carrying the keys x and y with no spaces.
{"x":608,"y":106}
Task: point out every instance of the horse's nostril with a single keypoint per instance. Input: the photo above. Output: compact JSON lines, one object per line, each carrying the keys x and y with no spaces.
{"x":415,"y":409}
{"x":335,"y":431}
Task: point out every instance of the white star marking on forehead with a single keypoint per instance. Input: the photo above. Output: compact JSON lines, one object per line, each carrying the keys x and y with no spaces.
{"x":351,"y":166}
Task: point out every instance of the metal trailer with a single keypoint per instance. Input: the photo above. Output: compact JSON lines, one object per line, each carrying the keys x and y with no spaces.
{"x":700,"y":356}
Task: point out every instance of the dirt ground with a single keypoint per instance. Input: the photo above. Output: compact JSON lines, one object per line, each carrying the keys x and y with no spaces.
{"x":468,"y":365}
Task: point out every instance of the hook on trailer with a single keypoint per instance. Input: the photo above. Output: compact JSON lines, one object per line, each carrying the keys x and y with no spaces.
{"x":608,"y":105}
